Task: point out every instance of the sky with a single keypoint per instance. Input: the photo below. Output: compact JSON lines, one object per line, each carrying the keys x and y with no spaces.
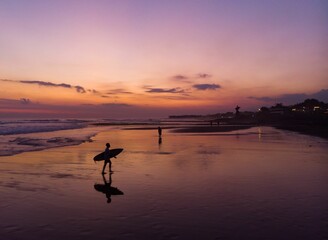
{"x":137,"y":59}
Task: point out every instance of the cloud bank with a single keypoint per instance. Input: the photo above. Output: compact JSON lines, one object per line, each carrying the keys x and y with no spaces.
{"x":15,"y":108}
{"x":321,"y":95}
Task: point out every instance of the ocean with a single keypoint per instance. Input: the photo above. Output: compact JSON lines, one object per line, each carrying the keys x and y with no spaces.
{"x":19,"y":135}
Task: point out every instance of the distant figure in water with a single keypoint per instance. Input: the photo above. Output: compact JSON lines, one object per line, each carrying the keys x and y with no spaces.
{"x":107,"y":159}
{"x":159,"y":129}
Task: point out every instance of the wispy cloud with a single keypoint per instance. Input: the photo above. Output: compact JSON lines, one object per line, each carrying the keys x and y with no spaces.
{"x":206,"y":86}
{"x":47,"y":84}
{"x":25,"y":100}
{"x":176,"y":97}
{"x":116,"y":105}
{"x":187,"y":79}
{"x":203,"y":75}
{"x":118,"y":91}
{"x":165,"y":90}
{"x":15,"y":101}
{"x":180,"y":77}
{"x":93,"y":91}
{"x":78,"y":89}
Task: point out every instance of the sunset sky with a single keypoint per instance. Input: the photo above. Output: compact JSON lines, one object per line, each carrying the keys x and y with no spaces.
{"x":137,"y":58}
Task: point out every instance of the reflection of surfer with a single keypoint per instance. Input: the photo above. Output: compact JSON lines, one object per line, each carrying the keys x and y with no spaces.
{"x":107,"y":159}
{"x":107,"y":189}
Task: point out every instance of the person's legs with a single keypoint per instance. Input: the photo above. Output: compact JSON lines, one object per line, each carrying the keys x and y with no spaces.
{"x":105,"y":163}
{"x":110,"y":166}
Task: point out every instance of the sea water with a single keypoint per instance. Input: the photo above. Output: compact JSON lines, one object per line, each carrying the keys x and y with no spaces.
{"x":28,"y":135}
{"x":19,"y":135}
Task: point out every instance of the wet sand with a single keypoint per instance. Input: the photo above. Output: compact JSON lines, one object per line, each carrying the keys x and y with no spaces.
{"x":257,"y":183}
{"x":206,"y":129}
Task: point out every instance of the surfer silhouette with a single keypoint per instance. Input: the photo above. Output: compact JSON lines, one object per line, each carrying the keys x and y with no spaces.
{"x":159,"y":129}
{"x":107,"y":188}
{"x":107,"y":159}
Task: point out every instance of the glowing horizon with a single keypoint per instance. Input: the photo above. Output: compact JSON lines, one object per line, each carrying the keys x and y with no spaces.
{"x":143,"y":58}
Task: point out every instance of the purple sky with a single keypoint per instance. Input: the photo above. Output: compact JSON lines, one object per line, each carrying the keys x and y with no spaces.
{"x":154,"y":58}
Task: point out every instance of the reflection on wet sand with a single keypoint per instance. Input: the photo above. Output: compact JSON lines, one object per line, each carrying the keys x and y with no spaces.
{"x":107,"y":188}
{"x":192,"y":186}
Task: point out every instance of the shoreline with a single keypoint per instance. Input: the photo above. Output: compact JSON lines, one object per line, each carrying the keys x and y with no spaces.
{"x":36,"y":144}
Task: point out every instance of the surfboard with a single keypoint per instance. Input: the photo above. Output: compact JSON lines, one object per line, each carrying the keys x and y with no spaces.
{"x":112,"y":153}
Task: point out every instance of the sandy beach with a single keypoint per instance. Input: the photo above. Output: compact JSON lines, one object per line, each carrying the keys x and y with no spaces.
{"x":257,"y":183}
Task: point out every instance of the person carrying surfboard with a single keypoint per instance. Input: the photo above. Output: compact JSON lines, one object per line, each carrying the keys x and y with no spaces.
{"x":107,"y":159}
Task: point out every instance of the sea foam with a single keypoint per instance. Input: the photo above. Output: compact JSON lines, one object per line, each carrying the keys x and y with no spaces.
{"x":35,"y":126}
{"x":32,"y":135}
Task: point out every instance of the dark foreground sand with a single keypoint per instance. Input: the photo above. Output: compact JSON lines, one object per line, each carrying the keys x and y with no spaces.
{"x":313,"y":130}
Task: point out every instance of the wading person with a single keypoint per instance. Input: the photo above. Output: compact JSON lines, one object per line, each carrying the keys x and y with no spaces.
{"x":159,"y":129}
{"x":107,"y":159}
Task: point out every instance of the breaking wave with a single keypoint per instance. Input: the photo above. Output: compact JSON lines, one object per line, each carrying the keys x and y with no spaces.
{"x":32,"y":135}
